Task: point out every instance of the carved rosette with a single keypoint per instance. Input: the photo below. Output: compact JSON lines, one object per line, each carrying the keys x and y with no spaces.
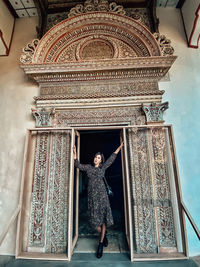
{"x":154,"y":112}
{"x":43,"y":117}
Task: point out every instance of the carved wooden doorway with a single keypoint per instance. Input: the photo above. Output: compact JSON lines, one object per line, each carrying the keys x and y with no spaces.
{"x":48,"y":223}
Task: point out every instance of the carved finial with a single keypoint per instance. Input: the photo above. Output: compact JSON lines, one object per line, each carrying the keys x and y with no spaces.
{"x":28,"y":52}
{"x":43,"y":117}
{"x":154,"y":112}
{"x":96,"y":5}
{"x":165,"y":44}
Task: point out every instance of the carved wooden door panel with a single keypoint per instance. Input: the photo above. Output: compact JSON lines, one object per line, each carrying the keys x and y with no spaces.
{"x":74,"y":210}
{"x":153,"y":196}
{"x":45,"y":222}
{"x":127,"y":195}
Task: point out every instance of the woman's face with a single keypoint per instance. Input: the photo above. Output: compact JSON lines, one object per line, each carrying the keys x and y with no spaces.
{"x":97,"y":160}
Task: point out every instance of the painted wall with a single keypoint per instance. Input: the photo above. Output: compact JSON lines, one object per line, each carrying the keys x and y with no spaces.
{"x":6,"y":26}
{"x":183,"y":94}
{"x":16,"y":98}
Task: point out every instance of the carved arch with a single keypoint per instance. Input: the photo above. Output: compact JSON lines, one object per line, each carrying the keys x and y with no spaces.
{"x":117,"y":36}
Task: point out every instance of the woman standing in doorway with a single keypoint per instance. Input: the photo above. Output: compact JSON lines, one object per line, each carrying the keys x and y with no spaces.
{"x":100,"y":214}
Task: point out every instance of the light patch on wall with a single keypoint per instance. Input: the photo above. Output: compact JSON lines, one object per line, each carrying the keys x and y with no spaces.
{"x":6,"y":29}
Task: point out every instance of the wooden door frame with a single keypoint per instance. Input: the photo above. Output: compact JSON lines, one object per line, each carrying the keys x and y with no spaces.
{"x":71,"y":243}
{"x":125,"y":180}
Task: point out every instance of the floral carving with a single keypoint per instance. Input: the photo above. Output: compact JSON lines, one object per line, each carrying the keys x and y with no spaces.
{"x":96,"y":5}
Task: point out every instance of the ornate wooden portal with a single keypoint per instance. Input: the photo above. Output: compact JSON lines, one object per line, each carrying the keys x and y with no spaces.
{"x":100,"y":69}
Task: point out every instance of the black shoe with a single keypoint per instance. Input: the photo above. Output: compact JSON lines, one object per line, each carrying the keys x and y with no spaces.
{"x":100,"y":250}
{"x":105,"y":241}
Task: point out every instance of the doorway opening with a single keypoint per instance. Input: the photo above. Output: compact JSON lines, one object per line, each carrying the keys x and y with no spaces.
{"x":105,"y":141}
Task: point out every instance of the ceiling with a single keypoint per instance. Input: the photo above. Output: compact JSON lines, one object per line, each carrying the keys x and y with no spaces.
{"x":25,"y":8}
{"x":45,"y":9}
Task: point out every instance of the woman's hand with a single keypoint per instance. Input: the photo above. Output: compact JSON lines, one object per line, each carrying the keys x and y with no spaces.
{"x":119,"y":148}
{"x":74,"y":151}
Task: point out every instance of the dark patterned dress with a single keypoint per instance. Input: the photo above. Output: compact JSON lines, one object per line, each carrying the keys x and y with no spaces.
{"x":98,"y":201}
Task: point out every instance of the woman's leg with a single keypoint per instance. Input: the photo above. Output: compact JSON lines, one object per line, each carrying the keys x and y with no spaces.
{"x":103,"y":230}
{"x":100,"y":246}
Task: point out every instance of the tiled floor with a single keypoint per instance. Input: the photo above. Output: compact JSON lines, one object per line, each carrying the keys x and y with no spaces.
{"x":117,"y":244}
{"x":89,"y":260}
{"x":115,"y":255}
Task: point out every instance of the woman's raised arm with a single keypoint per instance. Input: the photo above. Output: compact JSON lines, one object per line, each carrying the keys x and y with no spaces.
{"x":113,"y":156}
{"x":77,"y":164}
{"x":119,"y":148}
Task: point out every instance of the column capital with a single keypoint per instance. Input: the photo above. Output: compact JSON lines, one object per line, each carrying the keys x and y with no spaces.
{"x":154,"y":112}
{"x":43,"y":117}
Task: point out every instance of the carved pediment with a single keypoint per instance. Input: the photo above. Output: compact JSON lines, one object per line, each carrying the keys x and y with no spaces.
{"x":98,"y":45}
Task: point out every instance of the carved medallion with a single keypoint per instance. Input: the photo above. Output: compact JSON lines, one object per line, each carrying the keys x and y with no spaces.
{"x":96,"y":49}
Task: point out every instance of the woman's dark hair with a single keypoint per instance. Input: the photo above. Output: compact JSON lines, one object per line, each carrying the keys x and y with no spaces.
{"x":102,"y":158}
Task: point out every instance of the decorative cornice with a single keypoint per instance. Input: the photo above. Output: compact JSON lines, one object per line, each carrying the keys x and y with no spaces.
{"x":153,"y":68}
{"x":88,"y":95}
{"x":96,"y":5}
{"x":92,"y":103}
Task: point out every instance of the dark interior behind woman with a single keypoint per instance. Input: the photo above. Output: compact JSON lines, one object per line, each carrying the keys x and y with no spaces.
{"x":99,"y":210}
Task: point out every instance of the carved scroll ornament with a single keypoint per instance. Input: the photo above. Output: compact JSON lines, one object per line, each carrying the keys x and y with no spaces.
{"x":28,"y":52}
{"x":96,"y":5}
{"x":165,"y":44}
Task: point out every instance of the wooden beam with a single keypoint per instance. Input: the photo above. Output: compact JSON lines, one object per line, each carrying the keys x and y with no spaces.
{"x":180,"y":3}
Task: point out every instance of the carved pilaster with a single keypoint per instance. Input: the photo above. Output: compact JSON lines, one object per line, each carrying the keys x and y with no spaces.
{"x":43,"y":117}
{"x":154,"y":112}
